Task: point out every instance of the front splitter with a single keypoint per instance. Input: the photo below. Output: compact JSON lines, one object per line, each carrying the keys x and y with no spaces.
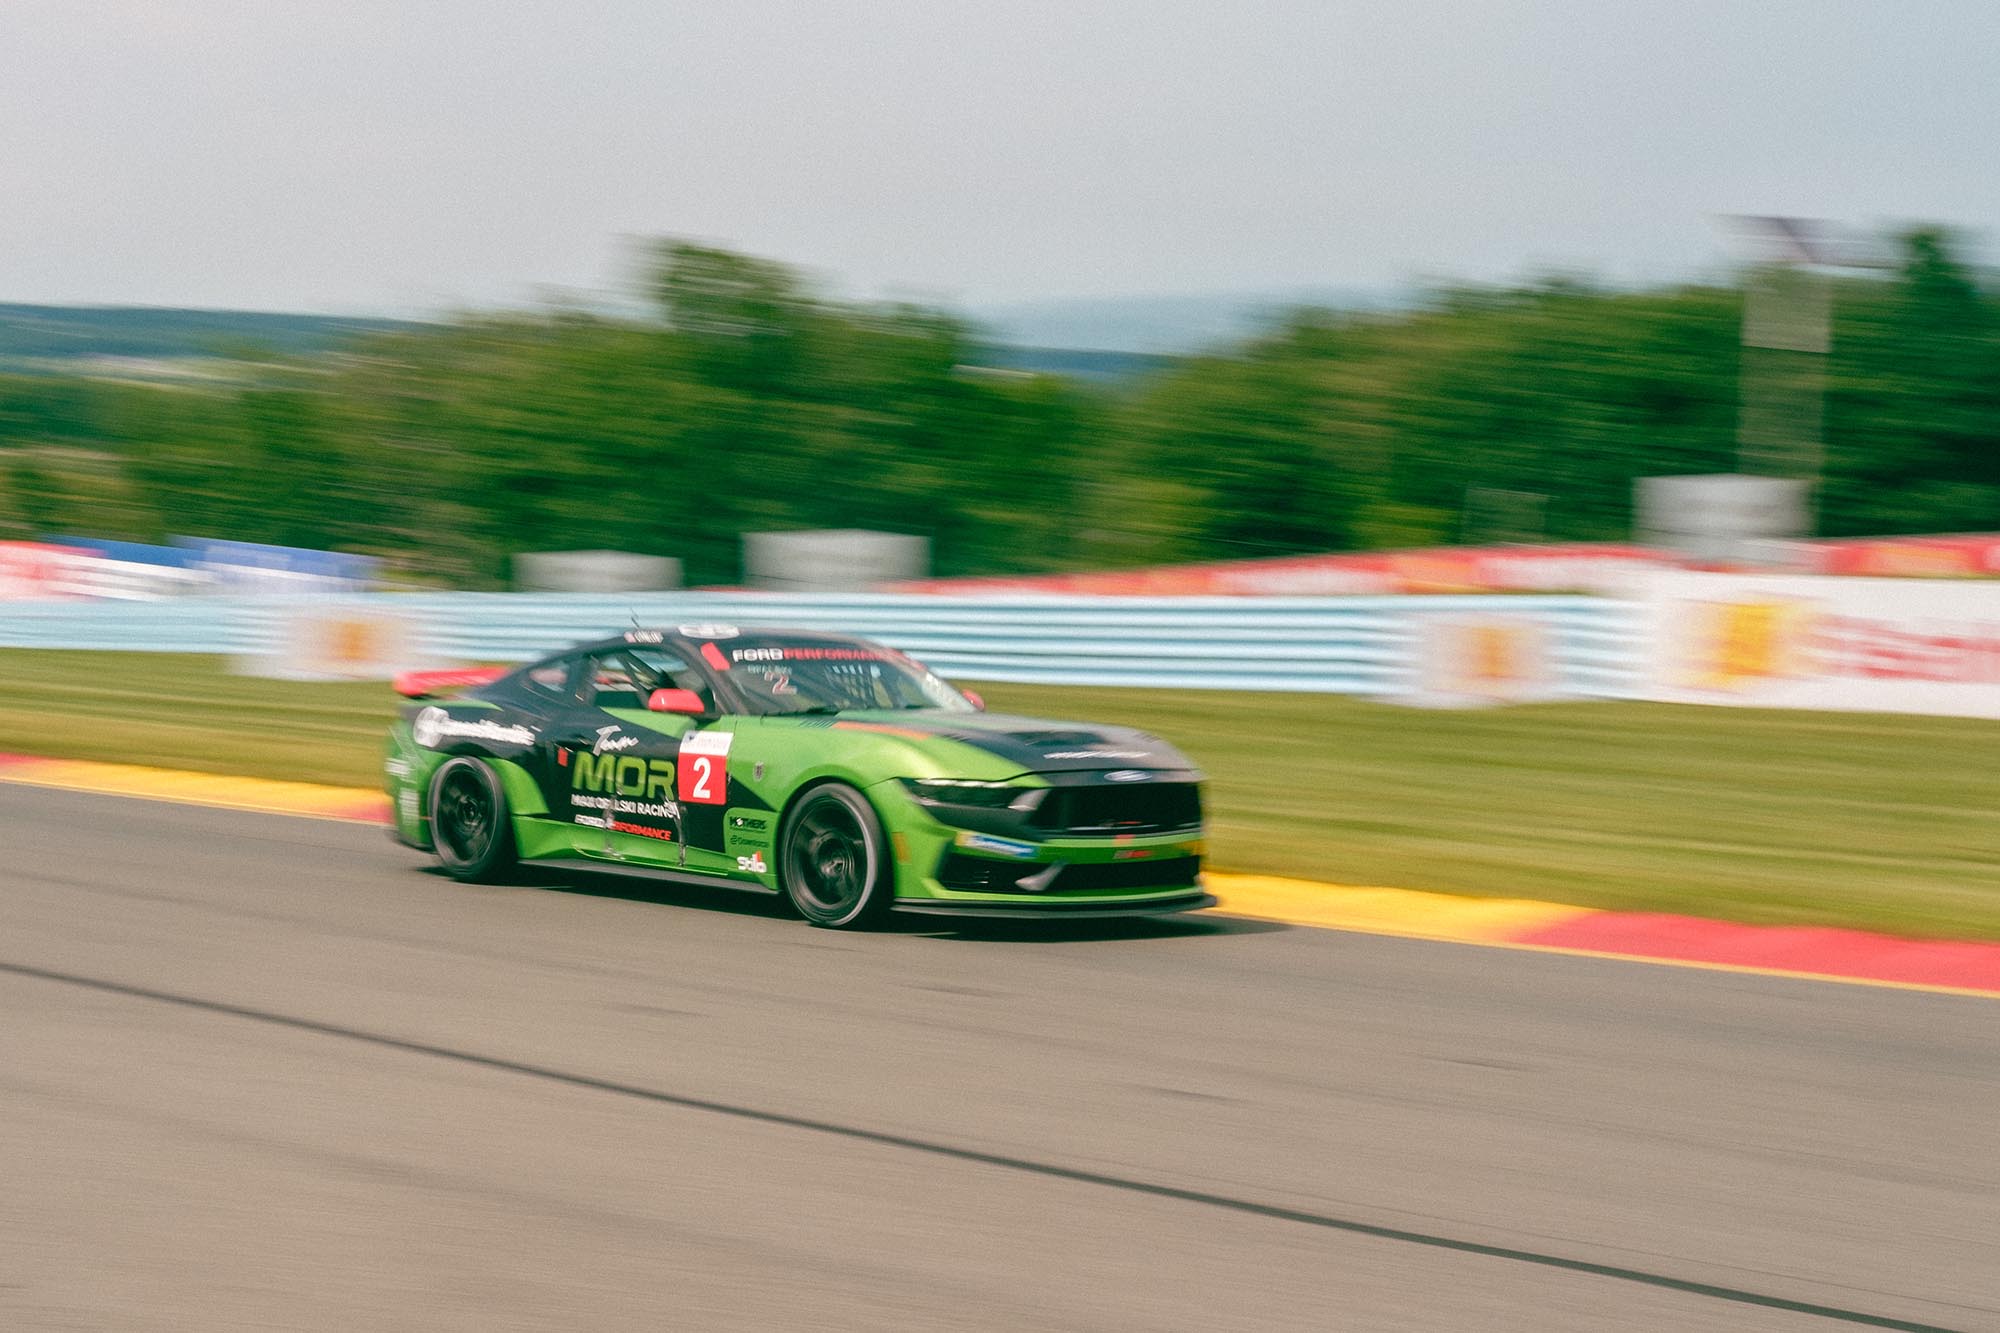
{"x":1050,"y":911}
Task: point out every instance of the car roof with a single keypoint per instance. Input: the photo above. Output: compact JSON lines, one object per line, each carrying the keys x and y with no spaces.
{"x":693,"y":635}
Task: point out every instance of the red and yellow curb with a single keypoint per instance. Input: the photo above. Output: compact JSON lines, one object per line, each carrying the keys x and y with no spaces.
{"x":265,"y":795}
{"x":1380,"y":911}
{"x":1818,"y":953}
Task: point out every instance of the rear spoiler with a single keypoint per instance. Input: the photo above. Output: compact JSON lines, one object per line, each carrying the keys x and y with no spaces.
{"x":430,"y":684}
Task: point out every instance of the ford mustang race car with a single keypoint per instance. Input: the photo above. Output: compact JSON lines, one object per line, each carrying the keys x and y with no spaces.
{"x":829,"y":769}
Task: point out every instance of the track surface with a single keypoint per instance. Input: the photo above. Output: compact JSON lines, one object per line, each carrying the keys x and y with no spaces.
{"x":265,"y":1072}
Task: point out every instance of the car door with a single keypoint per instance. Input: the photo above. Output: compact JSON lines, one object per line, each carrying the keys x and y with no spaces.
{"x":643,"y":783}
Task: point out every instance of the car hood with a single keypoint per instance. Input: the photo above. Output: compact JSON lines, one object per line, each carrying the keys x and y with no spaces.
{"x":1037,"y":745}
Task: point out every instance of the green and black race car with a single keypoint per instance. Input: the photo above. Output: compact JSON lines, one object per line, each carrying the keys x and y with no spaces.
{"x":833,"y":770}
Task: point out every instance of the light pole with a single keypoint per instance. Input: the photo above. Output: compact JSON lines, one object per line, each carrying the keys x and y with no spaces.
{"x":1787,"y":332}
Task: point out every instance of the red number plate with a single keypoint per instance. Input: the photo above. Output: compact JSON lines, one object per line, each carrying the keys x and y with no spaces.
{"x":702,"y":777}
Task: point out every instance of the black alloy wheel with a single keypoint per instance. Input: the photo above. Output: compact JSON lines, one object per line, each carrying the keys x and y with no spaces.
{"x":470,"y":828}
{"x":833,"y":866}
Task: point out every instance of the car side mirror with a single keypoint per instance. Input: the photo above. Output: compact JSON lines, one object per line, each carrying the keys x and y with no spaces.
{"x":973,"y":697}
{"x":676,"y":701}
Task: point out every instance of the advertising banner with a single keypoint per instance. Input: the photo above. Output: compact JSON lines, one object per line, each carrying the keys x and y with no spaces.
{"x":134,"y":571}
{"x":255,"y":568}
{"x":1801,"y":641}
{"x":1559,"y":567}
{"x":336,"y":641}
{"x":37,"y":571}
{"x":1973,"y":555}
{"x":1469,"y":661}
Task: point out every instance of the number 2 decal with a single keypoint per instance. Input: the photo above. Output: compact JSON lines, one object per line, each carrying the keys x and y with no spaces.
{"x":702,"y":777}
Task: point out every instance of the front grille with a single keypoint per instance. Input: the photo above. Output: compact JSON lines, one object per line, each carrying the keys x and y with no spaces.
{"x":1169,"y":871}
{"x":975,"y":874}
{"x":1154,"y":807}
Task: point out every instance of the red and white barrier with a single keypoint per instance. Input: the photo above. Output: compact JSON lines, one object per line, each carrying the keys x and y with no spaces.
{"x":1566,"y":567}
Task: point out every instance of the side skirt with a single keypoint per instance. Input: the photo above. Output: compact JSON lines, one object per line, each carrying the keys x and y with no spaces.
{"x":591,"y":866}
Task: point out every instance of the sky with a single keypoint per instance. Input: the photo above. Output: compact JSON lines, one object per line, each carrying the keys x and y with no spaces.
{"x":357,"y":156}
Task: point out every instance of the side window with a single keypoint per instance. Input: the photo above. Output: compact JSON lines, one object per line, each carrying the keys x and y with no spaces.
{"x":625,"y":677}
{"x":609,"y":682}
{"x":552,"y":679}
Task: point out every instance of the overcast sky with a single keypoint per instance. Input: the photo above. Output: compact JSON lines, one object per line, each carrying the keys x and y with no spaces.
{"x":406,"y":155}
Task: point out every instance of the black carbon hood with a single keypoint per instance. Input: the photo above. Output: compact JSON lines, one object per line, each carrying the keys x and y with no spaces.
{"x":1042,"y":746}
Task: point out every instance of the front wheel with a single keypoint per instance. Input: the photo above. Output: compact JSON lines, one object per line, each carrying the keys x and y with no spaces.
{"x":833,"y":864}
{"x":471,"y":830}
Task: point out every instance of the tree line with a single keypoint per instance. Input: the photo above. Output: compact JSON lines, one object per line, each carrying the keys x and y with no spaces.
{"x":744,"y":400}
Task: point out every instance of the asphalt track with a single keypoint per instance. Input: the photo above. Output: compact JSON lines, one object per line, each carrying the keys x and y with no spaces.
{"x":263,"y":1072}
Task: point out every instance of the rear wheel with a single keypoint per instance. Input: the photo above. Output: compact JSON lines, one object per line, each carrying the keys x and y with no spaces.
{"x":833,"y":866}
{"x":471,"y":830}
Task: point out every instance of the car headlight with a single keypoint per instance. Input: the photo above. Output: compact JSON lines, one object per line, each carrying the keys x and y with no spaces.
{"x":974,"y":793}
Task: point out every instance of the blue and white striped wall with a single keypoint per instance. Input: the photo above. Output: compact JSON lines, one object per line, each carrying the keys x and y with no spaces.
{"x":1337,"y":645}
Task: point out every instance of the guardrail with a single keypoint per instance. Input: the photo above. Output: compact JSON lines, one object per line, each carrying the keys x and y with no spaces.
{"x":1339,"y":645}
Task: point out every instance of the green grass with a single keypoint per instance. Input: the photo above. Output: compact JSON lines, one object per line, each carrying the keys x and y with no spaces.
{"x":176,"y":711}
{"x":1863,"y":820}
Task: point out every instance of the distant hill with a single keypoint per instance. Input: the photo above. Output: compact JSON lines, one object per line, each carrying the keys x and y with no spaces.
{"x":41,"y":333}
{"x":48,"y":337}
{"x":1165,"y":325}
{"x":1108,"y":338}
{"x":1077,"y":363}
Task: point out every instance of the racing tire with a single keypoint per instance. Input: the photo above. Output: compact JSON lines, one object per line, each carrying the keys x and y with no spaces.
{"x":471,"y":830}
{"x":833,"y":860}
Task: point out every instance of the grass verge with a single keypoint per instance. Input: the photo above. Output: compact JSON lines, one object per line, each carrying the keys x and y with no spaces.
{"x":1867,"y":820}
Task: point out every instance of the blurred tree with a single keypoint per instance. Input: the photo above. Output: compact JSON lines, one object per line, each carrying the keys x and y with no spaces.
{"x":753,"y":403}
{"x":1913,"y":418}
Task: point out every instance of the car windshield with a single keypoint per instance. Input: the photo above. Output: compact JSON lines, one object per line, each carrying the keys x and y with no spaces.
{"x":779,"y":678}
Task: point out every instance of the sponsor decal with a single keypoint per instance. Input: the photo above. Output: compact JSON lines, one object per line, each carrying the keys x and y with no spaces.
{"x":796,"y":653}
{"x":428,"y":727}
{"x":709,"y":631}
{"x":618,"y":825}
{"x":406,"y":806}
{"x":1735,"y":645}
{"x":1096,"y":754}
{"x":1812,"y":641}
{"x":1473,"y":660}
{"x":622,"y":775}
{"x":433,"y":726}
{"x":1740,"y":645}
{"x":702,"y":776}
{"x":753,"y":862}
{"x":746,"y":832}
{"x":1132,"y":854}
{"x":1127,"y":775}
{"x":399,"y":769}
{"x":610,"y":742}
{"x":1497,"y":654}
{"x":986,"y":842}
{"x":644,"y":636}
{"x":619,"y":805}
